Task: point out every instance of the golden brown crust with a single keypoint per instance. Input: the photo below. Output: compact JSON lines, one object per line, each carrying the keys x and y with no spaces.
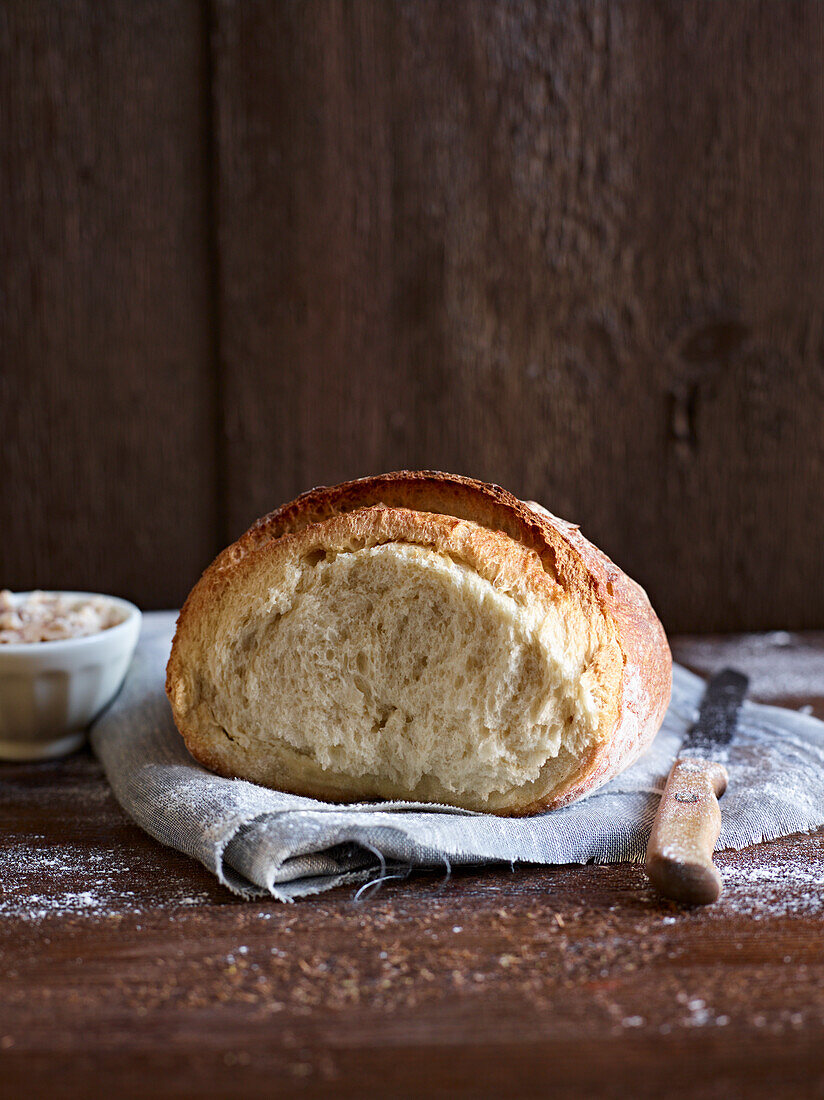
{"x":647,"y":678}
{"x":419,"y":490}
{"x":413,"y":505}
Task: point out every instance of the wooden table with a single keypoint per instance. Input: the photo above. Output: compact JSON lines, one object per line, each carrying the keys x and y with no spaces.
{"x":125,"y":970}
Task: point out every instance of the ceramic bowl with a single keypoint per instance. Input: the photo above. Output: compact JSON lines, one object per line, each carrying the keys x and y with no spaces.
{"x":51,"y":691}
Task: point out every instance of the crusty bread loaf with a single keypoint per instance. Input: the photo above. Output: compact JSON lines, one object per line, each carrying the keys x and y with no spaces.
{"x":418,"y":636}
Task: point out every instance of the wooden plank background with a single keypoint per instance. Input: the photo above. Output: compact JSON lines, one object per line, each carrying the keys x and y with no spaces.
{"x":574,"y":248}
{"x":107,"y":397}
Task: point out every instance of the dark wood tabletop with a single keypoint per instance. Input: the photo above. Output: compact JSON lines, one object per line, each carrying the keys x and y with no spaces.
{"x":126,"y":970}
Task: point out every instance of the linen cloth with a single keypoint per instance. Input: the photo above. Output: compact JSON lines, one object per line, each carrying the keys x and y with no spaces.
{"x":261,"y":842}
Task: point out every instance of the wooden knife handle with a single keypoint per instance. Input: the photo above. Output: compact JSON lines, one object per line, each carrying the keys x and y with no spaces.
{"x":686,"y":827}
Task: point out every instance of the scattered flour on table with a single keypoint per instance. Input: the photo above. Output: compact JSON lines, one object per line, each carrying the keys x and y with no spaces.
{"x":778,"y":664}
{"x":697,"y":1014}
{"x":783,"y":887}
{"x":102,"y":874}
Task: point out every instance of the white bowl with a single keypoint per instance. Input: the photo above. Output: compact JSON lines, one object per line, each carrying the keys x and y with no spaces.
{"x":51,"y":691}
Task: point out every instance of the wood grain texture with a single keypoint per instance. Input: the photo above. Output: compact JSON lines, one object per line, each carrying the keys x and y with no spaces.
{"x":575,"y":249}
{"x":106,"y":384}
{"x":685,"y":831}
{"x":126,"y":970}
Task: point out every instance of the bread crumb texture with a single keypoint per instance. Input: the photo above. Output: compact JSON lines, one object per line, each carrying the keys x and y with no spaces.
{"x":390,"y":653}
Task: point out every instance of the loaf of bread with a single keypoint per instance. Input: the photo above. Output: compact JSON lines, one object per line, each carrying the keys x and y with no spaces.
{"x":418,"y":636}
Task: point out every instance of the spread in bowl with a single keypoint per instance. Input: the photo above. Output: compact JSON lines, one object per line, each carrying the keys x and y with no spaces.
{"x":63,"y":657}
{"x":53,"y":616}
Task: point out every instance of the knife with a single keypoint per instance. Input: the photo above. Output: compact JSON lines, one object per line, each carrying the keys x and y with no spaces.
{"x":686,"y":826}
